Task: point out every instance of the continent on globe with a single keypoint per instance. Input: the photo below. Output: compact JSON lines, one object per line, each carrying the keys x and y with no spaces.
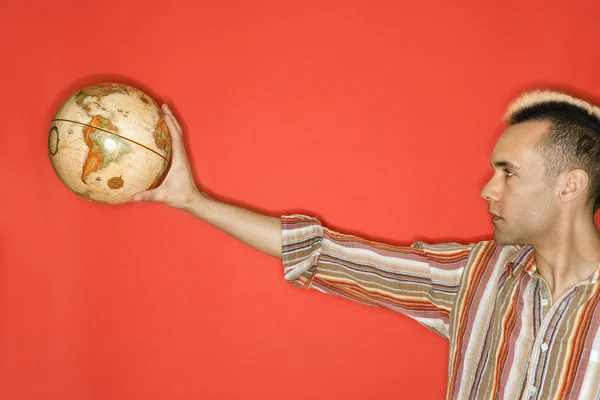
{"x":162,"y":138}
{"x":98,"y":92}
{"x":103,"y":147}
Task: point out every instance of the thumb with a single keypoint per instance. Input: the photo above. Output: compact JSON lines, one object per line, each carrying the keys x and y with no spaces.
{"x":147,"y":195}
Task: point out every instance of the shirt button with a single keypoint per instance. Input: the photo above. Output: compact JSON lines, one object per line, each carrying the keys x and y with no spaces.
{"x":544,"y":347}
{"x":533,"y":390}
{"x":544,"y":302}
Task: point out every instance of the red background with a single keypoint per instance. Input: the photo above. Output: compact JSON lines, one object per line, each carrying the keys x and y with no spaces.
{"x":377,"y":117}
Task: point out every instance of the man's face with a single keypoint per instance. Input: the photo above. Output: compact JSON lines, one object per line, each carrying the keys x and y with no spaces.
{"x":521,"y":197}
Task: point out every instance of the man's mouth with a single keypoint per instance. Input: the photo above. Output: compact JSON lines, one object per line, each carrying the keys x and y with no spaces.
{"x":495,"y":217}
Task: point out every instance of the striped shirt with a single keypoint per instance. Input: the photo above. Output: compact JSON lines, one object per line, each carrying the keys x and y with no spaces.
{"x":508,"y":340}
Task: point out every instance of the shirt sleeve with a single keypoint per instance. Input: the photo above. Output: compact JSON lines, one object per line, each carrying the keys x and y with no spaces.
{"x":420,"y":281}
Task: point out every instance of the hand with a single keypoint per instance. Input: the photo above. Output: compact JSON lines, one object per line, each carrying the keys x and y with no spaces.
{"x":178,"y":189}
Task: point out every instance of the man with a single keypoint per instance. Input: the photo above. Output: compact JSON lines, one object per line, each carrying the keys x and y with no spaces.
{"x":522,"y":311}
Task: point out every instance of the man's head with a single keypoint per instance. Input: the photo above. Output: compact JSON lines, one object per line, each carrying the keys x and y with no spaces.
{"x":546,"y":167}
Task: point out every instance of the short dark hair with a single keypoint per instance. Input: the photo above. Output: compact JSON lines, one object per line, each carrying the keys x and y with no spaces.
{"x":573,"y":138}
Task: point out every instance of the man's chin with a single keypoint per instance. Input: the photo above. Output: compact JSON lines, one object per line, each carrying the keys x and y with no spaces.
{"x":504,"y":239}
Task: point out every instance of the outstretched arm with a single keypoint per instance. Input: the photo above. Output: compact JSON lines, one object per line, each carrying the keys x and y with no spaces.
{"x":421,"y":281}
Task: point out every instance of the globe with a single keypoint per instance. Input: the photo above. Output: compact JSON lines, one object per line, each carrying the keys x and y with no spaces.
{"x":108,"y":142}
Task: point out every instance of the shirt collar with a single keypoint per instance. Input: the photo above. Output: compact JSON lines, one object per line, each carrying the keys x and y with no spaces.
{"x":594,"y":278}
{"x":522,"y":258}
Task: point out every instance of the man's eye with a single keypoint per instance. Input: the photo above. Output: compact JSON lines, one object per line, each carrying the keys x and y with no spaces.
{"x":508,"y":173}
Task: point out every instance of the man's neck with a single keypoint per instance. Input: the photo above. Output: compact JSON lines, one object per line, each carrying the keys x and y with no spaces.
{"x":568,"y":256}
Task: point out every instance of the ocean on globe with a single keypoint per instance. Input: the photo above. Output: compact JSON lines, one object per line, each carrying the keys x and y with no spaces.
{"x":108,"y":142}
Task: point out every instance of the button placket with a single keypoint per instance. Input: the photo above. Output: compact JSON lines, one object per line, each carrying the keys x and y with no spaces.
{"x":540,"y":345}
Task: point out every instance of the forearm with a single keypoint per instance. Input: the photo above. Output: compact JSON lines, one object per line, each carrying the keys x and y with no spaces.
{"x":263,"y":232}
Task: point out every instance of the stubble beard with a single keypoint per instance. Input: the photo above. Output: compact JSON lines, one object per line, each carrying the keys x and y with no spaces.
{"x":507,"y":237}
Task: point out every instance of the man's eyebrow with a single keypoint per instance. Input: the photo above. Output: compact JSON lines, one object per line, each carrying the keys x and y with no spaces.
{"x":504,"y":164}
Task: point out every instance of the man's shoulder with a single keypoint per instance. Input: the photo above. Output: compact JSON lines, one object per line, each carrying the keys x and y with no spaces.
{"x":491,"y":247}
{"x":465,"y":245}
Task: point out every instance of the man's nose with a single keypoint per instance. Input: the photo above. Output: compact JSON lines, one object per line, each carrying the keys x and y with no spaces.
{"x":490,"y":191}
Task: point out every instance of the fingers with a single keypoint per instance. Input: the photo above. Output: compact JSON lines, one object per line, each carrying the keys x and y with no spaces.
{"x":172,"y":127}
{"x":179,"y":153}
{"x":168,"y":111}
{"x":175,"y":134}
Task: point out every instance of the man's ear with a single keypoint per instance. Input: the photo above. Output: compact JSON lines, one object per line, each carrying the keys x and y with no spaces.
{"x":574,"y":184}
